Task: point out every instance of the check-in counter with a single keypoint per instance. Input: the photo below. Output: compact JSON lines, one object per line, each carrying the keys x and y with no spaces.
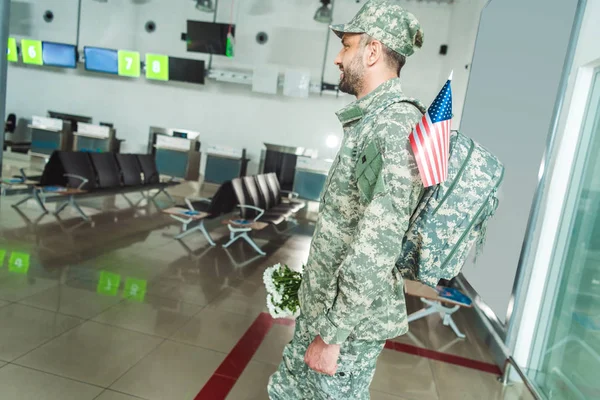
{"x":224,"y":164}
{"x":95,"y":138}
{"x":177,"y":157}
{"x":282,"y":161}
{"x":48,"y":135}
{"x":310,"y":176}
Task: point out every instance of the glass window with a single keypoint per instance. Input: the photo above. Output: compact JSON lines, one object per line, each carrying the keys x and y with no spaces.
{"x":567,"y":362}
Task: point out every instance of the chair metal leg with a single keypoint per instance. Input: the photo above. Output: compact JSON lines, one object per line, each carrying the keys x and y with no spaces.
{"x":163,"y":190}
{"x":71,"y":202}
{"x":233,"y":238}
{"x":38,"y":199}
{"x":128,"y":200}
{"x":206,"y":234}
{"x":200,"y":227}
{"x":79,"y":210}
{"x":437,"y":308}
{"x":449,"y":321}
{"x":248,"y":239}
{"x":34,"y":195}
{"x":60,"y":208}
{"x":26,"y":199}
{"x":168,"y":196}
{"x":252,"y":243}
{"x":421,"y":314}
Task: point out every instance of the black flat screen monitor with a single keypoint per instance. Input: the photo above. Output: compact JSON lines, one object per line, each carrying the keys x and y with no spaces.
{"x":70,"y":117}
{"x":208,"y":37}
{"x":186,"y":70}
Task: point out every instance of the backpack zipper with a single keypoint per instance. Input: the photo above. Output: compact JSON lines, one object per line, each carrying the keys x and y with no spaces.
{"x":458,"y":175}
{"x":468,"y":230}
{"x":460,"y":172}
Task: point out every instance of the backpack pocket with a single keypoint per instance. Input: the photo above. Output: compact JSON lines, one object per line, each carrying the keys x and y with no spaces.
{"x":368,"y":171}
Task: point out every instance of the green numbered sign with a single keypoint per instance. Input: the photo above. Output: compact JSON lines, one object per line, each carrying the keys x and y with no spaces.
{"x":32,"y":52}
{"x":129,"y":63}
{"x":19,"y":263}
{"x":2,"y":255}
{"x":109,"y":283}
{"x":157,"y":67}
{"x":11,"y":51}
{"x":135,"y":289}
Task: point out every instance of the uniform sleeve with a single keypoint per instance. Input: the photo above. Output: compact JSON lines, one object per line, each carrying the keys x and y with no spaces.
{"x":365,"y":271}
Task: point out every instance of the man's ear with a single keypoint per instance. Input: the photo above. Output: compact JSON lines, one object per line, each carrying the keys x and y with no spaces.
{"x":374,"y":52}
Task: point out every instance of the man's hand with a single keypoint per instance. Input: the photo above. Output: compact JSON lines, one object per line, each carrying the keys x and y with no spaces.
{"x":322,"y":357}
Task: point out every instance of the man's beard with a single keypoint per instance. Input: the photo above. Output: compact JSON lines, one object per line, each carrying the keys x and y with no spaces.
{"x":352,"y":80}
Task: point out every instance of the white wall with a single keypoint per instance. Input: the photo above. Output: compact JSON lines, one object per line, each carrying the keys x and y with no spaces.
{"x":225,"y":114}
{"x":462,"y":30}
{"x":514,"y":82}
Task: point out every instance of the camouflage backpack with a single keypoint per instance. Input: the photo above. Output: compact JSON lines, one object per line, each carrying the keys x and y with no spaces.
{"x":452,"y":216}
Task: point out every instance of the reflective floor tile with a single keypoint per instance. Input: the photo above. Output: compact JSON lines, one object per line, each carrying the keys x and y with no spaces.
{"x":17,"y":287}
{"x":93,"y":353}
{"x":252,"y":384}
{"x":271,"y":349}
{"x":19,"y":383}
{"x":454,"y":383}
{"x":383,"y":396}
{"x":111,"y":395}
{"x":154,"y":316}
{"x":173,"y":371}
{"x":248,"y":299}
{"x":176,"y":288}
{"x":25,"y":328}
{"x":214,"y":329}
{"x":72,"y":301}
{"x":404,"y":375}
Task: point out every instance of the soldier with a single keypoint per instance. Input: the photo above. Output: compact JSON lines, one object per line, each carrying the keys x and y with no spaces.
{"x":352,"y":297}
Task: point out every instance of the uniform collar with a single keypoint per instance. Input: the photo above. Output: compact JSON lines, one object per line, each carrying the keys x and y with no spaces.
{"x":359,"y":108}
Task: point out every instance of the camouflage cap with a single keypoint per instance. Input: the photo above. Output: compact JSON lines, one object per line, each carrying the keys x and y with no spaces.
{"x":387,"y":22}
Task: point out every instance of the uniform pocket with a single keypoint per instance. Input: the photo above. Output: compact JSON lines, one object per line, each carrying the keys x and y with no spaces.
{"x":368,"y":171}
{"x":337,"y":387}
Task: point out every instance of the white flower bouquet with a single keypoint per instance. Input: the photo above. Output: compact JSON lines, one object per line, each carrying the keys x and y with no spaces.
{"x":282,"y":284}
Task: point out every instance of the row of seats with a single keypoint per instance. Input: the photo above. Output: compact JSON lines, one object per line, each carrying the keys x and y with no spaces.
{"x":264,"y":196}
{"x":94,"y":172}
{"x":261,"y":191}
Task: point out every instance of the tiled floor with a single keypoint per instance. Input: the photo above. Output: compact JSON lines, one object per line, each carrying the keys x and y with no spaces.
{"x":77,"y":324}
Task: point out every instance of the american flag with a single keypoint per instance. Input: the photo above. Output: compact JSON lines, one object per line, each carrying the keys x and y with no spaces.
{"x":430,"y":139}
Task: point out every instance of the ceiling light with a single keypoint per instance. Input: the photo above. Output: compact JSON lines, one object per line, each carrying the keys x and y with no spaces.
{"x":205,"y":5}
{"x":332,"y":141}
{"x":324,"y":13}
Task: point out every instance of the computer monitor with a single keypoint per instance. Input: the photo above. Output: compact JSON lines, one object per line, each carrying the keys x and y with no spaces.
{"x":59,"y":55}
{"x":208,"y":37}
{"x":101,"y":60}
{"x":186,"y":70}
{"x":70,"y":117}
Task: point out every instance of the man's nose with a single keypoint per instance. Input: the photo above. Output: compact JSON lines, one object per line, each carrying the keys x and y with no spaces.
{"x":338,"y":60}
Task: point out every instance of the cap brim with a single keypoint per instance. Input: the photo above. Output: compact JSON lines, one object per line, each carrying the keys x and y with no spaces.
{"x":340,"y":29}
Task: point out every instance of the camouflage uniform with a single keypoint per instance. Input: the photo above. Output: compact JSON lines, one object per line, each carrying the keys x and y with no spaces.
{"x":351,"y":294}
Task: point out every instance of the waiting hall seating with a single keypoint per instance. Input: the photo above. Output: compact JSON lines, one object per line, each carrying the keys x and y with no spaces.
{"x":196,"y":211}
{"x":69,"y":176}
{"x":443,"y":300}
{"x":260,"y":205}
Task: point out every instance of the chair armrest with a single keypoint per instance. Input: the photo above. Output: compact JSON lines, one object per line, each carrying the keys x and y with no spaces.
{"x":290,"y":194}
{"x":260,"y":210}
{"x":81,"y":178}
